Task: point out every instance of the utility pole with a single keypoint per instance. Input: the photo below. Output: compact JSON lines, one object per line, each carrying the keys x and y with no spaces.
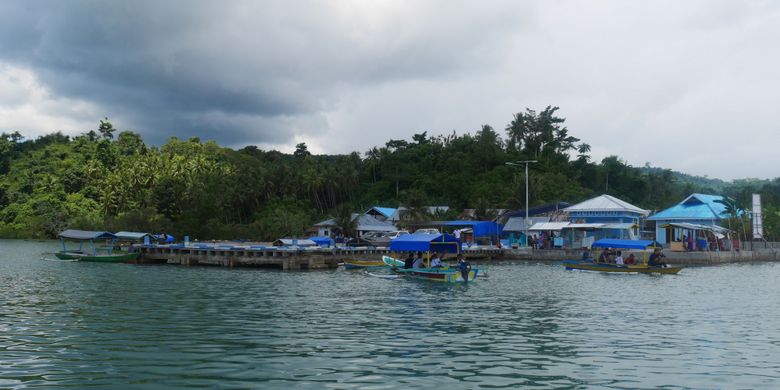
{"x":525,"y":221}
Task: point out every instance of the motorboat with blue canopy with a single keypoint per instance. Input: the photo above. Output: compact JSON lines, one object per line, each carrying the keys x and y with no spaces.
{"x":610,"y":243}
{"x":428,"y":243}
{"x":622,"y":244}
{"x":92,"y":253}
{"x":424,"y":242}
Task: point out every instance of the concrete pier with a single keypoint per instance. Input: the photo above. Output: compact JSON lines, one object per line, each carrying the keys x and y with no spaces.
{"x":280,"y":258}
{"x":330,"y":258}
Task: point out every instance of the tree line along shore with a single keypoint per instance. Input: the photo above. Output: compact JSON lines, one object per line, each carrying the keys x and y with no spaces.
{"x":106,"y":179}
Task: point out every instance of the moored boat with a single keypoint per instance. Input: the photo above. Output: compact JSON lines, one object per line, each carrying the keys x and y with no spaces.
{"x":443,"y":274}
{"x":362,"y":264}
{"x":642,"y":267}
{"x":427,"y":243}
{"x":91,"y":253}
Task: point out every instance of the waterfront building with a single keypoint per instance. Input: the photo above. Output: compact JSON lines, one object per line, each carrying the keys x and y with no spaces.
{"x":394,"y":215}
{"x":515,"y":224}
{"x":604,"y":216}
{"x":696,"y":214}
{"x":365,"y":223}
{"x":389,"y":214}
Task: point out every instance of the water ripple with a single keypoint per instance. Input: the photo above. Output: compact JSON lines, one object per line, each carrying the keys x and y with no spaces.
{"x":531,"y":325}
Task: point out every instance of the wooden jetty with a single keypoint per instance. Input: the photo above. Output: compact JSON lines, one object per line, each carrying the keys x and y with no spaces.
{"x":280,"y":258}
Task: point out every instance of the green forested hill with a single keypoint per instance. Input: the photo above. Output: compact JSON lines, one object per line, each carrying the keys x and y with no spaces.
{"x":106,"y":179}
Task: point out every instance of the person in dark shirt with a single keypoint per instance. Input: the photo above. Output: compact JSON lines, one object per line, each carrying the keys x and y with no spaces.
{"x":604,"y":256}
{"x":656,"y":259}
{"x":586,"y":256}
{"x":464,"y":267}
{"x":409,"y":262}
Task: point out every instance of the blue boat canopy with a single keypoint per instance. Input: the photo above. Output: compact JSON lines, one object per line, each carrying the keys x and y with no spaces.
{"x":480,"y":228}
{"x":424,"y":242}
{"x":85,"y":235}
{"x":625,"y":244}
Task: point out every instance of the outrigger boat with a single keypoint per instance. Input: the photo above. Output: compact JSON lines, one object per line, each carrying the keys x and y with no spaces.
{"x":427,"y":243}
{"x":363,"y":264}
{"x":91,"y":253}
{"x":642,"y":267}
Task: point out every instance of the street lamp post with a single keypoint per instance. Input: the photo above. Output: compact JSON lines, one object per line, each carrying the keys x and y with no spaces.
{"x":525,"y":221}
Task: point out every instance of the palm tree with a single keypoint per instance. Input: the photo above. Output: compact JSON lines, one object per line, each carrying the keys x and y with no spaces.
{"x":735,"y":213}
{"x":346,"y":221}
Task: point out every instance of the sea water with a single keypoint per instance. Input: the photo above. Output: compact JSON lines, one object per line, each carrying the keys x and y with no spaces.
{"x":75,"y":324}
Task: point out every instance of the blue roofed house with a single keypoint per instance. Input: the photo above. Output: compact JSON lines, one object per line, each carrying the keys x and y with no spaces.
{"x":697,"y":213}
{"x":389,"y":214}
{"x":604,"y":216}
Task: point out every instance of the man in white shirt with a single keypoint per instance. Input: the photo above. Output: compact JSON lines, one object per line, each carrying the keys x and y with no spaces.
{"x":436,"y":261}
{"x":619,"y":258}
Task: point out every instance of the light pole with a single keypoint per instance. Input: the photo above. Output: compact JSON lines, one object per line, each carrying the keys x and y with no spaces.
{"x":525,"y":221}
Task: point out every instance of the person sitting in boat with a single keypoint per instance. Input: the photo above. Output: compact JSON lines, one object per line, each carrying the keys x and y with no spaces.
{"x":436,"y":261}
{"x":604,"y":256}
{"x":656,"y":259}
{"x":418,"y":262}
{"x":619,"y":258}
{"x":409,"y":262}
{"x":586,"y":256}
{"x":630,"y":260}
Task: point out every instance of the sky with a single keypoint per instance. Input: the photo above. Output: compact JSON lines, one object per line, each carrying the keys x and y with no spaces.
{"x":692,"y":86}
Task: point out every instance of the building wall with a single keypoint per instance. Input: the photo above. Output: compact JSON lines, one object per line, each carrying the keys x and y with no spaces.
{"x":660,"y":232}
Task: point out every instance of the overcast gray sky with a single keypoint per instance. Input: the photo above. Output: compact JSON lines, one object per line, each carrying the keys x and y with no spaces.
{"x":691,"y":86}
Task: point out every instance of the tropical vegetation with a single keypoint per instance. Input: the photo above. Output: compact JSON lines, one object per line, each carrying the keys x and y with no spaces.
{"x":110,"y":179}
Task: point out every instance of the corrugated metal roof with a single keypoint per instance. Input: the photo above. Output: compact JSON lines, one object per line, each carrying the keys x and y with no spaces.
{"x":585,"y":226}
{"x":555,"y":226}
{"x":620,"y":226}
{"x":386,"y":211}
{"x":131,"y":235}
{"x":365,"y":222}
{"x":606,"y":203}
{"x":86,"y":235}
{"x":694,"y":226}
{"x":694,"y":207}
{"x":514,"y":225}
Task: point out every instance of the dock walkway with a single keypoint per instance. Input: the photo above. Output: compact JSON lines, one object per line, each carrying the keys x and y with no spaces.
{"x":292,"y":259}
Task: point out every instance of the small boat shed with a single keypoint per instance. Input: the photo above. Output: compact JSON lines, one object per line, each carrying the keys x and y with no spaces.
{"x":134,"y":237}
{"x":86,"y":235}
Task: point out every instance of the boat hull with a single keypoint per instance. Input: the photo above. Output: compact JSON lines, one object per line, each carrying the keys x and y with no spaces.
{"x":100,"y":258}
{"x":642,"y":269}
{"x":391,"y":262}
{"x":362,"y":264}
{"x":444,"y":274}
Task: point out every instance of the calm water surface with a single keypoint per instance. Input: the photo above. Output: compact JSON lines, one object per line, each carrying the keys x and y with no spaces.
{"x":534,"y":325}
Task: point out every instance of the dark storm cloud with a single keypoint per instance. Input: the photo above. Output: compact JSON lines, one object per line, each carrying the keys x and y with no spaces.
{"x":163,"y":65}
{"x":695,"y":79}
